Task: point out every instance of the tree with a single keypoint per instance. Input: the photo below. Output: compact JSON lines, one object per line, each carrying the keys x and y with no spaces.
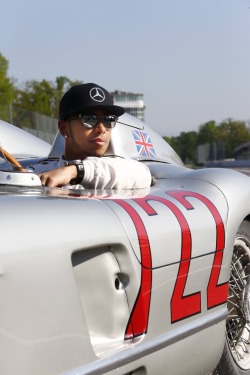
{"x":189,"y":144}
{"x":36,"y":97}
{"x":43,"y":97}
{"x":208,"y":133}
{"x":184,"y":145}
{"x":232,"y":133}
{"x":7,"y":90}
{"x":175,"y":143}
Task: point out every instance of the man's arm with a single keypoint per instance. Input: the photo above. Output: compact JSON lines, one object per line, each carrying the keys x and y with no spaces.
{"x":115,"y":173}
{"x":102,"y":173}
{"x":58,"y":177}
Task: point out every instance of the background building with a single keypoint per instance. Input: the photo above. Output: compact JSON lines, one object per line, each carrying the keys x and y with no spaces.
{"x":210,"y":152}
{"x":132,"y":103}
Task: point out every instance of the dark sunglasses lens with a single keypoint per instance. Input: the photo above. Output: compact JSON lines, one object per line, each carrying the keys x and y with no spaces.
{"x":109,"y":121}
{"x":90,"y":121}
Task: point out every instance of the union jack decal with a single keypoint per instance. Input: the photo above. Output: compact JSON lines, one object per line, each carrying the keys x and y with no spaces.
{"x":143,"y":144}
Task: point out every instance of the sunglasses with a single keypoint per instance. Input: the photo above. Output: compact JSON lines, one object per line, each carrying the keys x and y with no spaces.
{"x":89,"y":121}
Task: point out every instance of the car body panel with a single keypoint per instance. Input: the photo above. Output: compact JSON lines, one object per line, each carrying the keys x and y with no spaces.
{"x":20,"y":143}
{"x":65,"y":311}
{"x":171,"y":212}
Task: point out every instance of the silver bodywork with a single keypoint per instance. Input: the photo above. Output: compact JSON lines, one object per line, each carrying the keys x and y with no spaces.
{"x":118,"y":282}
{"x":20,"y":143}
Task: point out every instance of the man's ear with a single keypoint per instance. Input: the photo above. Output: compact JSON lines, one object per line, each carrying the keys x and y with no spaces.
{"x":63,"y":128}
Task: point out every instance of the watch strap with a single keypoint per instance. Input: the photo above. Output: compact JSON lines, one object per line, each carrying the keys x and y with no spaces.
{"x":80,"y":171}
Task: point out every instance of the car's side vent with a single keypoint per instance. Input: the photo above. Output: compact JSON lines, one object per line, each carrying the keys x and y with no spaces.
{"x":102,"y":289}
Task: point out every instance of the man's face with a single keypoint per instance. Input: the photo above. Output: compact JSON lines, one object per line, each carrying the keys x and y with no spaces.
{"x":82,"y":142}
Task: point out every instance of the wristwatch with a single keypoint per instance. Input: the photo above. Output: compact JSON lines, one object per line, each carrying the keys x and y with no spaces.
{"x":80,"y":171}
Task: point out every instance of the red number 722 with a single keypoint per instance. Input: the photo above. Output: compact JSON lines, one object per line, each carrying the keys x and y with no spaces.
{"x":182,"y":306}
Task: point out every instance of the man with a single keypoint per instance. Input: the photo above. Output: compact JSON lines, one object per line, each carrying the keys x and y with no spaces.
{"x":86,"y":118}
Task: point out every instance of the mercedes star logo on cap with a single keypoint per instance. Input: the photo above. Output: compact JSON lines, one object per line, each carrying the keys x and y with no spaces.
{"x":97,"y":94}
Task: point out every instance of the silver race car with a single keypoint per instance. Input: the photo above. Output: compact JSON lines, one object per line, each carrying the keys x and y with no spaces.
{"x":154,"y":281}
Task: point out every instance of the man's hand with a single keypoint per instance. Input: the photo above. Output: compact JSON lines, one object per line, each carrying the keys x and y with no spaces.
{"x":58,"y":177}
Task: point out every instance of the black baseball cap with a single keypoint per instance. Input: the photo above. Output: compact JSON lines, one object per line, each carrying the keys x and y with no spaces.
{"x":85,"y":97}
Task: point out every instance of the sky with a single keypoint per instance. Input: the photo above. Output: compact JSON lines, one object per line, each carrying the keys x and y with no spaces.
{"x":189,"y":58}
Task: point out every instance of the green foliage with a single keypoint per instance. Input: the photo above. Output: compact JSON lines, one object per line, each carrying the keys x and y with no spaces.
{"x":208,"y":133}
{"x":233,"y":133}
{"x":184,"y":145}
{"x":7,"y":90}
{"x":43,"y":97}
{"x":225,"y":137}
